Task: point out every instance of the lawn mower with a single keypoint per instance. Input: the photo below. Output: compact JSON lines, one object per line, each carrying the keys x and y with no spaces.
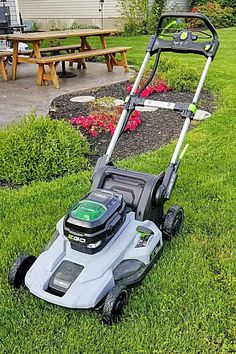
{"x":109,"y":240}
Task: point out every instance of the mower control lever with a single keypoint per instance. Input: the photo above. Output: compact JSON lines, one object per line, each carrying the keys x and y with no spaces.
{"x":186,"y":110}
{"x":185,"y":40}
{"x":187,"y":15}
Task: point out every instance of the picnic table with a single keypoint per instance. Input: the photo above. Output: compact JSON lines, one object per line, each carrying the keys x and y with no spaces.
{"x":74,"y":53}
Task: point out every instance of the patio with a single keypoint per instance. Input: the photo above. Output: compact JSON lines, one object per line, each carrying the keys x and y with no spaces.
{"x":21,"y":96}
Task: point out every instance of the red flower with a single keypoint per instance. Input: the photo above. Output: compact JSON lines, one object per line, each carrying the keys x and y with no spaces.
{"x":93,"y":132}
{"x":101,"y":122}
{"x":157,"y":85}
{"x":130,"y":88}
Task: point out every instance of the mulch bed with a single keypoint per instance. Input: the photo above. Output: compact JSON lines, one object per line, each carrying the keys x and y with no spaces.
{"x":157,"y":129}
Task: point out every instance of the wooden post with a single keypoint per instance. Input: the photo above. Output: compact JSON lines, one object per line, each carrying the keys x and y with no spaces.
{"x":125,"y":63}
{"x":36,"y":47}
{"x":55,"y":79}
{"x":103,"y":41}
{"x":85,"y":44}
{"x":39,"y":81}
{"x":3,"y":70}
{"x":107,"y":58}
{"x":14,"y":59}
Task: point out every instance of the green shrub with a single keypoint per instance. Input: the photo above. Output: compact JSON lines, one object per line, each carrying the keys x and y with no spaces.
{"x":220,"y":16}
{"x":153,"y":15}
{"x":222,"y":3}
{"x":139,"y":17}
{"x":40,"y":149}
{"x":228,"y":3}
{"x":77,"y":26}
{"x":178,"y":75}
{"x":74,"y":26}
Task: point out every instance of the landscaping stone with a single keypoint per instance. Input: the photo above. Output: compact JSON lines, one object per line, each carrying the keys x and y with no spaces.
{"x":82,"y":99}
{"x":201,"y":115}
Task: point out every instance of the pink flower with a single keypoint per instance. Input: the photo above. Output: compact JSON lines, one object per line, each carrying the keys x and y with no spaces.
{"x":130,"y":88}
{"x":77,"y":120}
{"x":93,"y":133}
{"x":111,"y":128}
{"x":106,"y":121}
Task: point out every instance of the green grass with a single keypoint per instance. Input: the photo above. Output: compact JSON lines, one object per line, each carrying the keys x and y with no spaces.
{"x":187,"y":302}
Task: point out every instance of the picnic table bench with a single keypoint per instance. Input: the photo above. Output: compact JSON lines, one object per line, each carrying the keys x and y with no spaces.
{"x":53,"y":61}
{"x":68,"y":48}
{"x":4,"y":56}
{"x":73,"y":53}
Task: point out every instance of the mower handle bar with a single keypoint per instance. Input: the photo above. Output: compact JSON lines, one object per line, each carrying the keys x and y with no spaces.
{"x":188,"y":112}
{"x":188,"y":15}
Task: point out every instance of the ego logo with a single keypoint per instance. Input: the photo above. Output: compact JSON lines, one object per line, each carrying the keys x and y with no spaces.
{"x":76,"y":238}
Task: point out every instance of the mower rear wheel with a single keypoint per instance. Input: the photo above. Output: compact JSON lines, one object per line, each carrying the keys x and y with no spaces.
{"x":17,"y":273}
{"x":114,"y":304}
{"x":173,"y":222}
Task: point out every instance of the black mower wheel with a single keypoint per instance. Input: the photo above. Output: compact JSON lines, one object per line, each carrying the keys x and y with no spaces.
{"x":114,"y":304}
{"x":173,"y":222}
{"x":17,"y":273}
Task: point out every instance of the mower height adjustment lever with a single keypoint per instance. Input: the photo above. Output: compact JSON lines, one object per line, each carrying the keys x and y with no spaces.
{"x":132,"y":101}
{"x":187,"y":110}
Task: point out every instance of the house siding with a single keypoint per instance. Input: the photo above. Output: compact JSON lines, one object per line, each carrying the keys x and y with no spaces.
{"x":177,"y":5}
{"x":62,"y":13}
{"x":59,"y":9}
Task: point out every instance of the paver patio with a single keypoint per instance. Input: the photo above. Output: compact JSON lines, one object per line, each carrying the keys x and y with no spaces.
{"x":22,"y":96}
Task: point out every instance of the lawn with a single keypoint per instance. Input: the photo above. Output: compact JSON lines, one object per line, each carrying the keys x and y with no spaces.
{"x":187,"y":303}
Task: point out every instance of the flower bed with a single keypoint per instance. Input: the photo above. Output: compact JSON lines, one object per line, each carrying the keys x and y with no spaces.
{"x":157,"y":85}
{"x":157,"y":129}
{"x":101,"y":121}
{"x":106,"y":114}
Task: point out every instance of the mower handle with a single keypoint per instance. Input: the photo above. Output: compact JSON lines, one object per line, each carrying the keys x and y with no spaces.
{"x":187,"y":15}
{"x":184,"y":41}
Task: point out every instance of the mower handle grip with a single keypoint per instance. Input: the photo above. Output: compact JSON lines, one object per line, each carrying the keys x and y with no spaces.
{"x":188,"y":15}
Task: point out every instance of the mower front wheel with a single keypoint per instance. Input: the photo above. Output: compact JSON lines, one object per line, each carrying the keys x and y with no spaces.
{"x":17,"y":273}
{"x":173,"y":222}
{"x":114,"y":304}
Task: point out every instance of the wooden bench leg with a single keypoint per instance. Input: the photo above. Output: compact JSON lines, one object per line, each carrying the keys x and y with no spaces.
{"x":113,"y":60}
{"x":3,"y":69}
{"x":39,"y":81}
{"x":71,"y":62}
{"x":122,"y":62}
{"x":14,"y":59}
{"x":108,"y":63}
{"x":81,"y":64}
{"x":54,"y":76}
{"x":125,"y":63}
{"x":46,"y":77}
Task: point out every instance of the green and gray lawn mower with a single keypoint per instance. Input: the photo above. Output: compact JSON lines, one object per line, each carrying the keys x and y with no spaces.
{"x":109,"y":240}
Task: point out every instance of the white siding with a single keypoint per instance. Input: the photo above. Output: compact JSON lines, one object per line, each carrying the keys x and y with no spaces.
{"x":66,"y":9}
{"x":177,"y":5}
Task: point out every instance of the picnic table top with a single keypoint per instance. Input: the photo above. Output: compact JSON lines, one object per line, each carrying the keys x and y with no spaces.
{"x":38,"y":36}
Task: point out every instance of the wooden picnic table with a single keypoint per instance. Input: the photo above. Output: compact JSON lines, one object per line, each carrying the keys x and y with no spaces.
{"x":36,"y":39}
